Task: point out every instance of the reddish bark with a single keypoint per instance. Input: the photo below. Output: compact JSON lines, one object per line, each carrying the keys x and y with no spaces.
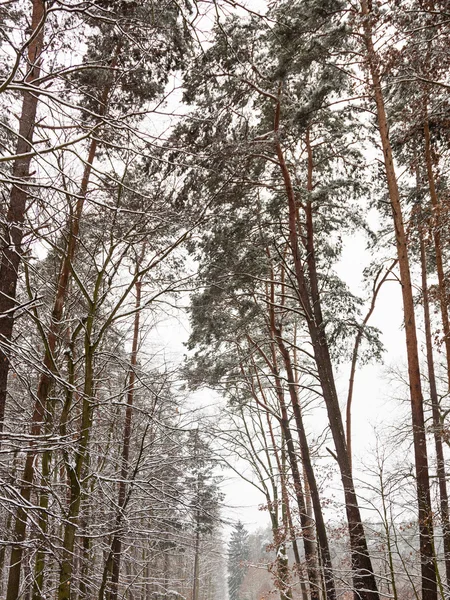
{"x":436,"y":206}
{"x":437,"y":426}
{"x":309,"y":298}
{"x":428,"y":565}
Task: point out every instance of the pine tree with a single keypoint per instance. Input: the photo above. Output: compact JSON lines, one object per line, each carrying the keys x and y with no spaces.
{"x":238,"y":553}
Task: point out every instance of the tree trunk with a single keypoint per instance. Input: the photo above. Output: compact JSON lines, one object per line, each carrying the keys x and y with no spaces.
{"x":437,"y":428}
{"x":308,"y":541}
{"x":39,"y":569}
{"x":45,"y":383}
{"x":195,"y":588}
{"x":428,"y":563}
{"x":307,"y":525}
{"x":116,"y":545}
{"x":282,"y":560}
{"x":11,"y":251}
{"x":443,"y":295}
{"x":365,"y":587}
{"x":309,"y":470}
{"x":75,"y":471}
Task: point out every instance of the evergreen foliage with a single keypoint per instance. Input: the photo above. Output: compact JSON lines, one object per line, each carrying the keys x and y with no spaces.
{"x":238,"y":554}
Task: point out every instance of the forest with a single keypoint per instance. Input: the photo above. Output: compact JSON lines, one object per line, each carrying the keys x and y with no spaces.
{"x":224,"y":299}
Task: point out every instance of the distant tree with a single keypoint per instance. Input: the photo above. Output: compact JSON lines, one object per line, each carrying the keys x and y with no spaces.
{"x":238,"y":552}
{"x":203,"y":487}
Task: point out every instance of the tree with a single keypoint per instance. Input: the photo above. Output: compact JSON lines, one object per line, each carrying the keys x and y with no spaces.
{"x":429,"y":584}
{"x":238,"y":553}
{"x":12,"y":236}
{"x":275,"y":76}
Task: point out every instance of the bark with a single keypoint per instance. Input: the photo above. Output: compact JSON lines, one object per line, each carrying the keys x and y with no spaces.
{"x":308,"y":540}
{"x":195,"y":589}
{"x":45,"y":382}
{"x":116,"y":545}
{"x":425,"y":517}
{"x":310,"y":480}
{"x":282,"y":560}
{"x":75,"y":472}
{"x":11,"y":251}
{"x":435,"y":203}
{"x":47,"y":377}
{"x":437,"y":427}
{"x":309,"y":470}
{"x":39,"y":570}
{"x":364,"y":583}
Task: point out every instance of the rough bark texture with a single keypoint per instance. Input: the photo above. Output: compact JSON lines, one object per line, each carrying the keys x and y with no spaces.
{"x":428,"y":566}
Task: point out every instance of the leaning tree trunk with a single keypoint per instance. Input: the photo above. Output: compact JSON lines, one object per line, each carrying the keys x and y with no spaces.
{"x":428,"y":562}
{"x":11,"y":245}
{"x":364,"y":583}
{"x":325,"y":554}
{"x":308,"y":541}
{"x":309,"y":470}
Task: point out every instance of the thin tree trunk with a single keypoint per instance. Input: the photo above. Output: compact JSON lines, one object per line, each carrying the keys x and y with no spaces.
{"x":39,"y":569}
{"x":443,"y":295}
{"x":195,"y":588}
{"x":428,"y":562}
{"x":282,"y":560}
{"x":116,"y":546}
{"x":307,"y":525}
{"x":283,"y":566}
{"x":308,"y":541}
{"x":45,"y":382}
{"x":365,"y":587}
{"x":74,"y":472}
{"x":310,"y":481}
{"x":11,"y":245}
{"x":437,"y":428}
{"x":47,"y":377}
{"x":309,"y":470}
